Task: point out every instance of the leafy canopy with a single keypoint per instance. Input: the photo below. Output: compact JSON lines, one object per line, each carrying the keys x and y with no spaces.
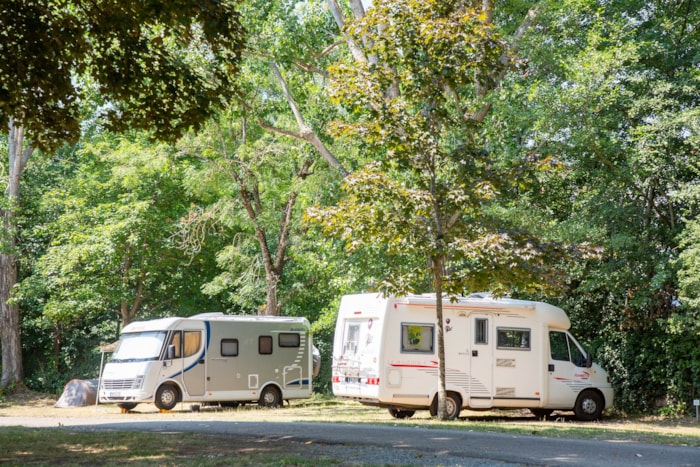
{"x":434,"y":193}
{"x":160,"y":65}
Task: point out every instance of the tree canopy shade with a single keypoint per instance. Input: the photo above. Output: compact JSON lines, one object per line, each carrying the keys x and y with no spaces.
{"x":164,"y":66}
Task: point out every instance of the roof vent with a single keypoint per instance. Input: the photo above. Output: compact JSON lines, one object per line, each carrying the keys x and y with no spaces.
{"x":480,"y":295}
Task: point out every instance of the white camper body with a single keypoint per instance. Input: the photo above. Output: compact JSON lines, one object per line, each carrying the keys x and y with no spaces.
{"x":210,"y":358}
{"x":501,"y":353}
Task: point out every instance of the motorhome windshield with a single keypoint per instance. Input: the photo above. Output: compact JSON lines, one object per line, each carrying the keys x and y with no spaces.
{"x":139,"y":346}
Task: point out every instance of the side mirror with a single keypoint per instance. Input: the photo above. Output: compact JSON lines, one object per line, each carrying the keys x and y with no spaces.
{"x":171,"y":352}
{"x":589,"y":360}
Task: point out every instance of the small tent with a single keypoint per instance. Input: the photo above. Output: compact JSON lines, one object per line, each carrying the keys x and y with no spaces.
{"x":78,"y":392}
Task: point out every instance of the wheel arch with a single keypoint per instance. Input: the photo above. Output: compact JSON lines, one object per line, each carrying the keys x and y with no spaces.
{"x":597,"y":391}
{"x":463,"y":397}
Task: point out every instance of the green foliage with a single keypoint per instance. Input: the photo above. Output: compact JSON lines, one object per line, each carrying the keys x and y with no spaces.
{"x":434,"y":193}
{"x":98,"y":231}
{"x":604,"y":98}
{"x":508,"y":154}
{"x":158,"y":65}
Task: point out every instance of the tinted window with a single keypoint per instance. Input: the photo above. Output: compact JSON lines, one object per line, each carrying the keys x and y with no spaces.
{"x":289,"y":339}
{"x":265,"y":345}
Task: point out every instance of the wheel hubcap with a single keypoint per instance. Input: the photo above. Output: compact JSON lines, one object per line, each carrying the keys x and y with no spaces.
{"x":589,"y":406}
{"x":167,"y":397}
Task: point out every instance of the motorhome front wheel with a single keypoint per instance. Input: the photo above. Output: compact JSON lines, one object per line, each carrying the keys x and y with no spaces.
{"x":589,"y":406}
{"x":167,"y":397}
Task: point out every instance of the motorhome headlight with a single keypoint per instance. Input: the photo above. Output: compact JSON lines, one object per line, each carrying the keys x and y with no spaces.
{"x":138,"y":382}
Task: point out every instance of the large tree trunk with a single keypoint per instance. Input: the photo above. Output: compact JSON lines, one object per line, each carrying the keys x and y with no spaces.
{"x":9,"y":321}
{"x":12,"y":371}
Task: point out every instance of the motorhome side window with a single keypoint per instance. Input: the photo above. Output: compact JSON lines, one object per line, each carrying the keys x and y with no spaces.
{"x":289,"y":339}
{"x":193,"y":340}
{"x":229,"y":347}
{"x":564,"y":349}
{"x":514,"y":338}
{"x":481,"y":331}
{"x":265,"y":345}
{"x":558,"y":346}
{"x":417,"y":338}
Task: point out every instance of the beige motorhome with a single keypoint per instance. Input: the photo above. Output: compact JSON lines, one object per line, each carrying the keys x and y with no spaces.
{"x":501,"y":353}
{"x":210,"y":359}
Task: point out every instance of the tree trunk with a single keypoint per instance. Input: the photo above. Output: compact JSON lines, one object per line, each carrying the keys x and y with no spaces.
{"x":272,"y":305}
{"x":442,"y":386}
{"x":10,"y":342}
{"x":9,"y":321}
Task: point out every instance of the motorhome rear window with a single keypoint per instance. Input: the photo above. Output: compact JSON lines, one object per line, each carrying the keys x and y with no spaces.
{"x":229,"y":347}
{"x":265,"y":345}
{"x":417,"y":338}
{"x":289,"y":339}
{"x":514,"y":338}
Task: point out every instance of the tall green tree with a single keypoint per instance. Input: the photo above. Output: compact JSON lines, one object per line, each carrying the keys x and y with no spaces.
{"x":605,"y":96}
{"x":138,"y":58}
{"x":258,"y":181}
{"x":432,"y":196}
{"x":112,"y":239}
{"x":269,"y":154}
{"x":101,"y":251}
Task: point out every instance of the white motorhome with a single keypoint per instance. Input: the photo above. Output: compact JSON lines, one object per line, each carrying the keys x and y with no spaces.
{"x":499,"y":353}
{"x":210,"y":358}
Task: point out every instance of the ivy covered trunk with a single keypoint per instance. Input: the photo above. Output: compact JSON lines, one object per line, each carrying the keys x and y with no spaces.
{"x":9,"y":312}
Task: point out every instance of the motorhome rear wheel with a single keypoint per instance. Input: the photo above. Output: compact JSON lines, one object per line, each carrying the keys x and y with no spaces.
{"x":401,"y":413}
{"x":453,"y":405}
{"x":270,"y":397}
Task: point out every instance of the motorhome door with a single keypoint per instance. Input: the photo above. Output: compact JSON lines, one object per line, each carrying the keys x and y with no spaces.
{"x":481,"y":362}
{"x":189,"y":359}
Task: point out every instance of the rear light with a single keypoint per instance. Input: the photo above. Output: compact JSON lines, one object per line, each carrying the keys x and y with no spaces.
{"x":336,"y":379}
{"x":373,"y":381}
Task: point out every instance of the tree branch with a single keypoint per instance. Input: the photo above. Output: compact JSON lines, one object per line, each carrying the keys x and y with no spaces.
{"x":355,"y":50}
{"x":505,"y":59}
{"x":305,"y":132}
